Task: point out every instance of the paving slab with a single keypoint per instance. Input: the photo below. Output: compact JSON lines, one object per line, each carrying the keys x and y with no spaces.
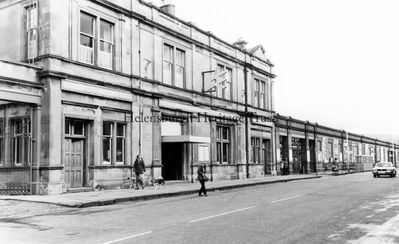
{"x":107,"y":197}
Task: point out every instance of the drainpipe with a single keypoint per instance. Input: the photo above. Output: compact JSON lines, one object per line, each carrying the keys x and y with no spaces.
{"x":246,"y":121}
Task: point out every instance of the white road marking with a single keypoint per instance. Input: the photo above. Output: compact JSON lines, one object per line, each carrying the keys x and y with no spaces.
{"x":284,"y":199}
{"x":128,"y":237}
{"x":217,"y":215}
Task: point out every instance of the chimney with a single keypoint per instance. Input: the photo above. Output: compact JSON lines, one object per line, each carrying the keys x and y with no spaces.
{"x":240,"y":43}
{"x":168,"y":8}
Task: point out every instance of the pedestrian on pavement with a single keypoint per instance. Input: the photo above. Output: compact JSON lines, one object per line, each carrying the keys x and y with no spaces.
{"x":202,"y":178}
{"x":139,"y":169}
{"x":282,"y":167}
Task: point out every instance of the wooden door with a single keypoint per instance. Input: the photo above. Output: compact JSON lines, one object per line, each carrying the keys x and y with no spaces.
{"x":74,"y":162}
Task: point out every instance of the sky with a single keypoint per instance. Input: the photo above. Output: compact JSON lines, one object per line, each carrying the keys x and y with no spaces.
{"x":336,"y":61}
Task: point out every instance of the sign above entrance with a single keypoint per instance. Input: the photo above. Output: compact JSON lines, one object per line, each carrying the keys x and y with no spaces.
{"x":187,"y":138}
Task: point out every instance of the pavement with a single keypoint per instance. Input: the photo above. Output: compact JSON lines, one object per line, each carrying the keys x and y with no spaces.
{"x":108,"y":197}
{"x":355,"y":208}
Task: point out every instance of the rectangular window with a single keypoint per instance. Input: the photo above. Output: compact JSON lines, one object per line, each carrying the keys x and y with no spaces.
{"x":107,"y":142}
{"x":167,"y":64}
{"x":174,"y":66}
{"x":113,"y":142}
{"x":106,"y":44}
{"x":253,"y":150}
{"x":180,"y":61}
{"x":320,"y":146}
{"x":31,"y":31}
{"x":86,"y":48}
{"x":20,"y":134}
{"x":96,"y":47}
{"x":203,"y":153}
{"x":223,"y":144}
{"x":223,"y":81}
{"x":260,"y":94}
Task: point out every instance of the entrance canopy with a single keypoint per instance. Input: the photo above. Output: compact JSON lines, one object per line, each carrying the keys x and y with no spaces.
{"x":187,"y":138}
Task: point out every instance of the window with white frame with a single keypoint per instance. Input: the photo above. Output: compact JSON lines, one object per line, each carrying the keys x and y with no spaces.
{"x":113,"y":145}
{"x":223,"y":144}
{"x":260,"y":94}
{"x":20,"y":133}
{"x":96,"y":47}
{"x":31,"y":31}
{"x":224,"y":81}
{"x":203,"y":153}
{"x":174,"y":66}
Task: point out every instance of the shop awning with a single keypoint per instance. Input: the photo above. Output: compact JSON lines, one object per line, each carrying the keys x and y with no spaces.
{"x":187,"y":138}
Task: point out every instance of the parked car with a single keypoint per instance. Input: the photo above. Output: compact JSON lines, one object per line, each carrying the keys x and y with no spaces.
{"x":384,"y":168}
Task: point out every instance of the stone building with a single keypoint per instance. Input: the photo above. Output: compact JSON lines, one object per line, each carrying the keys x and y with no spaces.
{"x":86,"y":85}
{"x":108,"y":80}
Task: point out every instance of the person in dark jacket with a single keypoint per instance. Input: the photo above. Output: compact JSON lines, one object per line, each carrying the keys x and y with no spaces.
{"x":202,"y":178}
{"x":139,"y":169}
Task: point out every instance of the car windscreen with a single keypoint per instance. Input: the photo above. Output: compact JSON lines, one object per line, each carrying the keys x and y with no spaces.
{"x":384,"y":165}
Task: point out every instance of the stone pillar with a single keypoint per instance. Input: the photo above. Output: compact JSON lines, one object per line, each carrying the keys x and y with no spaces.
{"x":51,"y":168}
{"x":36,"y":159}
{"x":307,"y":156}
{"x":156,"y":164}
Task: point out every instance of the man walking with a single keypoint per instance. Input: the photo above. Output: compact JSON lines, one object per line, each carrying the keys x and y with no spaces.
{"x":139,"y":169}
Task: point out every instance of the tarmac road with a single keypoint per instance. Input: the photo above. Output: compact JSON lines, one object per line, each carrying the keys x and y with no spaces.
{"x":354,"y":208}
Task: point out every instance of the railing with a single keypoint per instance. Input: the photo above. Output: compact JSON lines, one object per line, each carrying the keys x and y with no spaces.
{"x":15,"y":180}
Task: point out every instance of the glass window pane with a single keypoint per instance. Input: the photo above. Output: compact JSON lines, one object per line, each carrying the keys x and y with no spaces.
{"x":19,"y":150}
{"x":229,"y":76}
{"x":78,"y":127}
{"x":26,"y":150}
{"x":167,"y":53}
{"x":179,"y":77}
{"x":86,"y":24}
{"x":120,"y":129}
{"x":220,"y":68}
{"x":105,"y":47}
{"x":1,"y":127}
{"x":226,"y":152}
{"x":105,"y":31}
{"x":219,"y":151}
{"x":107,"y":128}
{"x":167,"y":73}
{"x":225,"y":133}
{"x":67,"y":125}
{"x":120,"y":149}
{"x":107,"y":149}
{"x":180,"y":57}
{"x":86,"y":41}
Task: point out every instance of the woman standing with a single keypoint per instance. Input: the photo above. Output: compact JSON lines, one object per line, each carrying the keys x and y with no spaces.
{"x":202,"y":178}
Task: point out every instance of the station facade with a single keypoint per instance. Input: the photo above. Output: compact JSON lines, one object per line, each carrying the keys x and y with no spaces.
{"x":86,"y":85}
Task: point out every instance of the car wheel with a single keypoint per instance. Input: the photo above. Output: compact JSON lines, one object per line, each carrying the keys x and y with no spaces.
{"x":374,"y":175}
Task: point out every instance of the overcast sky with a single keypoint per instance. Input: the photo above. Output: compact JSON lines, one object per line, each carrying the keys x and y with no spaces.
{"x":336,"y":61}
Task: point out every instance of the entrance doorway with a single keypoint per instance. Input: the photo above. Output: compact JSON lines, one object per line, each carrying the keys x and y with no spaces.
{"x":73,"y":159}
{"x":266,"y":151}
{"x":172,"y":161}
{"x":74,"y":153}
{"x":298,"y":155}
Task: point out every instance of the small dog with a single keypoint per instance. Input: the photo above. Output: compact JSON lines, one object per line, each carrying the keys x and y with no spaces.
{"x":97,"y":186}
{"x":158,"y":182}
